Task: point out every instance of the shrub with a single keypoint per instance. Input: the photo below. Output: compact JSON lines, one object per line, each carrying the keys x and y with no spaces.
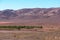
{"x":20,"y":27}
{"x":29,"y":27}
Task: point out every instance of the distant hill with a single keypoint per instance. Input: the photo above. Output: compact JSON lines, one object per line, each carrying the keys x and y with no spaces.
{"x":31,"y":15}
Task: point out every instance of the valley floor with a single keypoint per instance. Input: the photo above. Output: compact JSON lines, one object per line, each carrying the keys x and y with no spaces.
{"x":29,"y":35}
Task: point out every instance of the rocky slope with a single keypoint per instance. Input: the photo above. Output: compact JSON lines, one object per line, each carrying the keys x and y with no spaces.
{"x":31,"y":15}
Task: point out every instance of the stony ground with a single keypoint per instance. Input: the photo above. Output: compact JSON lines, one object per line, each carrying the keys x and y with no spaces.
{"x":29,"y":35}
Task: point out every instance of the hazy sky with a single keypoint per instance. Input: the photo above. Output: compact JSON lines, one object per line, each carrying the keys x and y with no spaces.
{"x":18,"y":4}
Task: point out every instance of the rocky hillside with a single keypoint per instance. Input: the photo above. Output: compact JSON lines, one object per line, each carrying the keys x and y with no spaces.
{"x":41,"y":15}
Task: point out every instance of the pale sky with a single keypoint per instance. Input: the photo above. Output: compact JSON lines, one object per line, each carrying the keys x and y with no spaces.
{"x":19,"y":4}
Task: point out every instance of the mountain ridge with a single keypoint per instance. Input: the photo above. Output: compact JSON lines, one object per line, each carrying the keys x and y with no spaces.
{"x":39,"y":15}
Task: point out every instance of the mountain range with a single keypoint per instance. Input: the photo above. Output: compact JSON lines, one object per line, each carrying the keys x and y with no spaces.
{"x":31,"y":16}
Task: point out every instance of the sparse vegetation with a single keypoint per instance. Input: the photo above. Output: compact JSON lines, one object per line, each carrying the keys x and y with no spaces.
{"x":20,"y":27}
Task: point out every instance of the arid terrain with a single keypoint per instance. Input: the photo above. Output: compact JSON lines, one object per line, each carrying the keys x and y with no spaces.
{"x":30,"y":16}
{"x":48,"y":18}
{"x":29,"y":35}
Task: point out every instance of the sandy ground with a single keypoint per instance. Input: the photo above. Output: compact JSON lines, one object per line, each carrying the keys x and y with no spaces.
{"x":29,"y":35}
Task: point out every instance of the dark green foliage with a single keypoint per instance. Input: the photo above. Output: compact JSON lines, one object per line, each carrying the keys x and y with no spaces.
{"x":39,"y":26}
{"x":29,"y":27}
{"x":20,"y":27}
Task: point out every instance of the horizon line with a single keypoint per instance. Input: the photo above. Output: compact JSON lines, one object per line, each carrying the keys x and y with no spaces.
{"x":29,"y":8}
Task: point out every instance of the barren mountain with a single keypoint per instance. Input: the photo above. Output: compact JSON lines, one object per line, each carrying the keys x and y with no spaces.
{"x":31,"y":16}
